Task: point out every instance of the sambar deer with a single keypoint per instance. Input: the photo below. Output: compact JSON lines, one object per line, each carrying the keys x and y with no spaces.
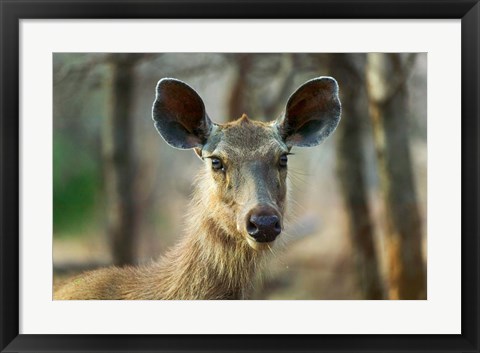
{"x":237,"y":209}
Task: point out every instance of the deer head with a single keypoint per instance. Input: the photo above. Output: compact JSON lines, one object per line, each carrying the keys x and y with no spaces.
{"x":246,"y":161}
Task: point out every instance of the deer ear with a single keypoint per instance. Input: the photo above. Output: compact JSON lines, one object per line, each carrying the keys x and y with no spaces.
{"x":179,"y":115}
{"x":312,"y":113}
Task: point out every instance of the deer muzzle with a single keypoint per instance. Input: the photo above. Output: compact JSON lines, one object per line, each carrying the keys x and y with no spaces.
{"x":263,"y":224}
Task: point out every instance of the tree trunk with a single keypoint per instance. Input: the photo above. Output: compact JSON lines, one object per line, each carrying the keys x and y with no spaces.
{"x":237,"y":102}
{"x":386,"y":76}
{"x":348,"y":69}
{"x":118,"y":161}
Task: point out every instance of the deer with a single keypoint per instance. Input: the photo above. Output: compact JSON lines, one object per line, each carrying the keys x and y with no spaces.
{"x":237,"y":209}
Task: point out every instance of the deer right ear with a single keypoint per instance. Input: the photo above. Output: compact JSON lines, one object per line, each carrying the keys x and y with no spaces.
{"x":179,"y":115}
{"x":312,"y":113}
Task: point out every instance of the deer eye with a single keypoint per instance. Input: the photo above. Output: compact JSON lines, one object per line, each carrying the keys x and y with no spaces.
{"x":283,"y":160}
{"x":217,"y":164}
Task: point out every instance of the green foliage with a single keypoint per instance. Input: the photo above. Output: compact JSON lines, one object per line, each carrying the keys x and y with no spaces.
{"x":76,"y":186}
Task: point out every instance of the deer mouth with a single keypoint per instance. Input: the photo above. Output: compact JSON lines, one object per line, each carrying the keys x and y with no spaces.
{"x":259,"y":246}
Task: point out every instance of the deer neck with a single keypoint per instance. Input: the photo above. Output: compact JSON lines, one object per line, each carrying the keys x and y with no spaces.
{"x":209,"y":262}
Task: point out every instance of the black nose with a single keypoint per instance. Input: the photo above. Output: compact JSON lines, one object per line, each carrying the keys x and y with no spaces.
{"x":263,"y":227}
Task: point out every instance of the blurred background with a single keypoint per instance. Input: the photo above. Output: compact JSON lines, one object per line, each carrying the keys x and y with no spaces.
{"x":356,"y":224}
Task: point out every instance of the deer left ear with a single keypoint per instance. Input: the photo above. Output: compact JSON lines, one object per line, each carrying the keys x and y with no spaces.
{"x":312,"y":113}
{"x":179,"y":115}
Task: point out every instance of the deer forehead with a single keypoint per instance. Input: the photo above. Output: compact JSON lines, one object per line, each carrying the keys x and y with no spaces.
{"x":245,"y":139}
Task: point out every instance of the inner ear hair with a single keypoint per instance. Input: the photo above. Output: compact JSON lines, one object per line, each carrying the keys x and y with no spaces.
{"x":198,"y":152}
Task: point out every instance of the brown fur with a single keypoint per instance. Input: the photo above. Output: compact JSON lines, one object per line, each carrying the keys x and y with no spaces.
{"x":213,"y":260}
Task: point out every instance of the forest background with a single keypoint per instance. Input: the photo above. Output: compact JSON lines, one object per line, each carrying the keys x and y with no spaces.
{"x":357,"y":228}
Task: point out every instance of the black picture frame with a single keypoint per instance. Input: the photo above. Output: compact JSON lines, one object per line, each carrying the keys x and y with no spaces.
{"x":12,"y":11}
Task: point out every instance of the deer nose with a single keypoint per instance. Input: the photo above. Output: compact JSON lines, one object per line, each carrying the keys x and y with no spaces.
{"x":263,"y":226}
